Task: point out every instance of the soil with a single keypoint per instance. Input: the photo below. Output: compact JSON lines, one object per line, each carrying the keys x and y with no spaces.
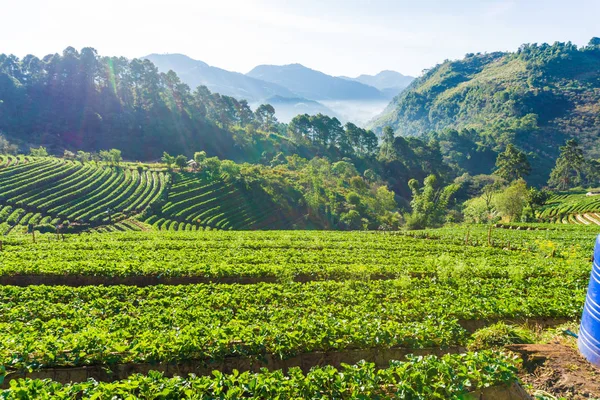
{"x":558,"y":369}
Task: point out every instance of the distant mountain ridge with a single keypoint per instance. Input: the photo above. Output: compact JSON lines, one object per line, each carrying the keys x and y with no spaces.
{"x":389,"y":82}
{"x":313,"y":84}
{"x":195,"y":73}
{"x":292,"y":89}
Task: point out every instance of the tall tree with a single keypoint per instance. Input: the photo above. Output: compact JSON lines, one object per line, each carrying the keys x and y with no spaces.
{"x":265,"y":116}
{"x":512,"y":164}
{"x":387,"y":147}
{"x":569,"y":167}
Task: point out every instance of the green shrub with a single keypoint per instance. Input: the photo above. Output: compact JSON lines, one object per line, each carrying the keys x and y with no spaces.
{"x":500,"y":334}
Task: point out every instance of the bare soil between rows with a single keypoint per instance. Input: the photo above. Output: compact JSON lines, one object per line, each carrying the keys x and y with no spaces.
{"x":559,"y":370}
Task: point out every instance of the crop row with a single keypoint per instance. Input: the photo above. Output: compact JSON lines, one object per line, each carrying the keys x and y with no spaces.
{"x":45,"y":326}
{"x":316,"y":255}
{"x":447,"y":377}
{"x":196,"y":202}
{"x":8,"y":160}
{"x":561,"y":206}
{"x":71,"y":191}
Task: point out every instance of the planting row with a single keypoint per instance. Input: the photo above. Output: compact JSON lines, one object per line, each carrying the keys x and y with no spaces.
{"x":447,"y":377}
{"x":304,"y":255}
{"x":67,"y":190}
{"x":575,"y":208}
{"x":196,"y":202}
{"x":44,"y":326}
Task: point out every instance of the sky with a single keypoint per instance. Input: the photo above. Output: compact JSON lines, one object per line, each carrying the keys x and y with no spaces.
{"x":338,"y":37}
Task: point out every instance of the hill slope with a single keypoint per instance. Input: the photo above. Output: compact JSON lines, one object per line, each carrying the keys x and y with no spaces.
{"x":535,"y":97}
{"x":50,"y":191}
{"x":313,"y":84}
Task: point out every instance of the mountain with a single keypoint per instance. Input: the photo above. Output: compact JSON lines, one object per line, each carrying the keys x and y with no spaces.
{"x":390,"y":83}
{"x":536,"y":98}
{"x":314,"y":85}
{"x":195,"y":73}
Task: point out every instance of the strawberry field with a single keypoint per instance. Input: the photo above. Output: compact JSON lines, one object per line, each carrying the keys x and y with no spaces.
{"x":192,"y":302}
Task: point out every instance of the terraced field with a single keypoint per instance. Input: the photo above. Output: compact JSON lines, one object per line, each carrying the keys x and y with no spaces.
{"x":573,"y":208}
{"x":51,"y":191}
{"x":313,"y":300}
{"x":195,"y":202}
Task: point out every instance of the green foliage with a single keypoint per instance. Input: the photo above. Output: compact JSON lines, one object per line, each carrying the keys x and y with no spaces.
{"x":512,"y":164}
{"x":38,"y":152}
{"x":83,"y":156}
{"x":181,"y":162}
{"x":531,"y":98}
{"x":112,"y":156}
{"x":199,"y":157}
{"x":232,"y":169}
{"x":478,"y":211}
{"x":569,"y":169}
{"x":429,"y":203}
{"x":447,"y":377}
{"x":499,"y":335}
{"x":512,"y":200}
{"x":168,"y":159}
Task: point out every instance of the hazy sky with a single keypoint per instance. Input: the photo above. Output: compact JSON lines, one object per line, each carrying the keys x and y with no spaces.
{"x":339,"y":37}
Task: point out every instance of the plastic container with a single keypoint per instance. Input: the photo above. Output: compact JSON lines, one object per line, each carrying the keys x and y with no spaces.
{"x":589,"y":331}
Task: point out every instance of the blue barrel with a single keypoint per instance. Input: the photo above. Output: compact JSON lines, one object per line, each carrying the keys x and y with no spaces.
{"x":589,"y":331}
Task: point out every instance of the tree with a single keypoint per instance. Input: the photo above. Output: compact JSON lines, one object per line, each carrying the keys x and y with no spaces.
{"x":38,"y":152}
{"x":344,"y":169}
{"x":512,"y":200}
{"x":199,"y":157}
{"x":387,"y":146}
{"x":536,"y":198}
{"x":83,"y":156}
{"x":6,"y":147}
{"x":212,"y":167}
{"x":512,"y":164}
{"x":368,"y":143}
{"x":265,"y":116}
{"x":181,"y":162}
{"x":115,"y":156}
{"x":230,"y":168}
{"x":352,"y":219}
{"x":487,"y":194}
{"x":105,"y":156}
{"x":168,"y":159}
{"x":299,"y":127}
{"x":429,"y":204}
{"x":569,"y":168}
{"x":386,"y":200}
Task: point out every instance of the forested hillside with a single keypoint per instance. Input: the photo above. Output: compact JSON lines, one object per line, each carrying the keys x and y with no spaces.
{"x":535,"y":98}
{"x":84,"y":101}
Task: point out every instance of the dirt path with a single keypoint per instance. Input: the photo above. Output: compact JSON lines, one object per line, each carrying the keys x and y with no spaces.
{"x":558,"y":369}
